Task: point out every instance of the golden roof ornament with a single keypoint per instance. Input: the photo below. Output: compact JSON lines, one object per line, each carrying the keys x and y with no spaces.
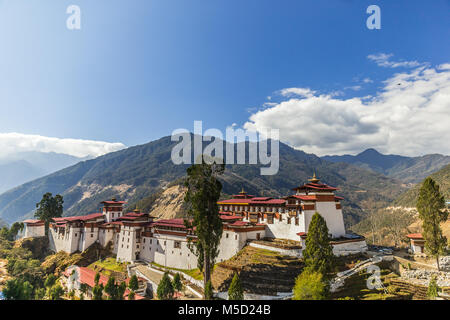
{"x":242,"y":191}
{"x":314,"y":178}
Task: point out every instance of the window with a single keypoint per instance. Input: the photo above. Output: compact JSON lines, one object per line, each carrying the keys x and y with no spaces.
{"x":177,"y":244}
{"x":137,"y":246}
{"x":289,"y":220}
{"x":75,"y":234}
{"x":143,"y":240}
{"x":150,"y":241}
{"x":235,"y":237}
{"x":226,"y":235}
{"x":92,"y":235}
{"x":296,"y":221}
{"x":127,"y":246}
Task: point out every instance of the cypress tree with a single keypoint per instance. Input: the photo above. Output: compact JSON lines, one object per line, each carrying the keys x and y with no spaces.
{"x":208,"y":291}
{"x":235,"y":291}
{"x":318,"y":254}
{"x":177,"y":285}
{"x":165,"y":289}
{"x":430,"y":205}
{"x":203,"y":192}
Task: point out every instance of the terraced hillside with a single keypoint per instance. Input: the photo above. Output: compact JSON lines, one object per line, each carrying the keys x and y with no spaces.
{"x":261,"y":271}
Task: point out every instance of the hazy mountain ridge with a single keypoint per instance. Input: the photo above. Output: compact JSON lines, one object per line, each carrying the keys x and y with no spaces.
{"x":442,"y":178}
{"x":409,"y":170}
{"x":137,"y":172}
{"x":22,"y":167}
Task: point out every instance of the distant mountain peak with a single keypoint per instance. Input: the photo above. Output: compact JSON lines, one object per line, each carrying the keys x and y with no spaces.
{"x":370,"y":151}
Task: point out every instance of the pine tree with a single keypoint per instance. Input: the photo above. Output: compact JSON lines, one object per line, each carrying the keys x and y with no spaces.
{"x":310,"y":285}
{"x":318,"y":254}
{"x":177,"y":285}
{"x":203,"y":192}
{"x":165,"y":289}
{"x":133,"y":284}
{"x":97,"y":292}
{"x":235,"y":291}
{"x":208,"y":291}
{"x":131,"y":295}
{"x":433,"y":289}
{"x":430,"y":205}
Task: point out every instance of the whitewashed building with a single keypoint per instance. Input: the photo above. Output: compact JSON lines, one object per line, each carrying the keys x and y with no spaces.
{"x":137,"y":236}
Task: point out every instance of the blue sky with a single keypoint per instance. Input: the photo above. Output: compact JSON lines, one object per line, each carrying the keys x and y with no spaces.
{"x":138,"y":69}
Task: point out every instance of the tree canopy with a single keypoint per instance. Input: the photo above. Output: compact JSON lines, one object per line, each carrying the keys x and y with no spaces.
{"x":165,"y":289}
{"x":203,"y":192}
{"x":310,"y":285}
{"x":430,"y":205}
{"x":235,"y":291}
{"x":48,"y":208}
{"x":318,"y":254}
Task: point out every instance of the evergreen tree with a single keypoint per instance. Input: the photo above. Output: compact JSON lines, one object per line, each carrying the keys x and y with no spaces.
{"x":120,"y":291}
{"x":310,"y":285}
{"x":97,"y":292}
{"x":165,"y":289}
{"x":97,"y":278}
{"x":235,"y":291}
{"x":56,"y":292}
{"x":203,"y":192}
{"x":48,"y":208}
{"x":433,"y":289}
{"x":111,"y":288}
{"x":318,"y":254}
{"x":176,"y":283}
{"x":131,"y":295}
{"x":133,"y":284}
{"x":208,"y":291}
{"x":430,"y":205}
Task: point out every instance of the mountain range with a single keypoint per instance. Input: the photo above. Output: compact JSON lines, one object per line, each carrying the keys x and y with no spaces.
{"x":442,"y":178}
{"x":22,"y":167}
{"x":409,"y":170}
{"x":137,"y":173}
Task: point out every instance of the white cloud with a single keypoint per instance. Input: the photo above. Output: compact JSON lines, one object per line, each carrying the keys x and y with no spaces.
{"x":301,"y":92}
{"x":11,"y":143}
{"x":410,"y":116}
{"x":367,"y":80}
{"x":383,"y":60}
{"x":355,"y":88}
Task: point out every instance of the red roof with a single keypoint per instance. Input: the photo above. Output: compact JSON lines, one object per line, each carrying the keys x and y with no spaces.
{"x":113,"y":202}
{"x":76,"y":218}
{"x":338,"y":198}
{"x":302,"y":234}
{"x":268,"y":201}
{"x":316,"y":186}
{"x":176,"y":223}
{"x":87,"y":276}
{"x":229,"y":217}
{"x":32,"y":221}
{"x":234,"y":200}
{"x":304,"y":197}
{"x":415,"y":236}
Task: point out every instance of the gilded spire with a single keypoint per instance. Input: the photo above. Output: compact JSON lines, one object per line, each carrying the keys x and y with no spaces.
{"x":314,"y":178}
{"x":242,"y":191}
